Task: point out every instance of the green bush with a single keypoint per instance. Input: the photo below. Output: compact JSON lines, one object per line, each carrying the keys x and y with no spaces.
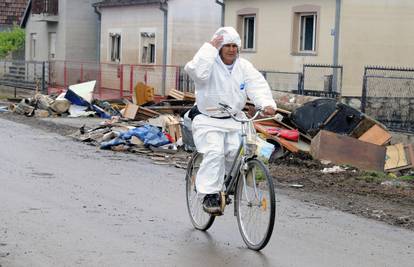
{"x":11,"y":40}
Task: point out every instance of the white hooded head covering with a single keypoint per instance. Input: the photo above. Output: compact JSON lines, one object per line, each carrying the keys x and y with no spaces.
{"x":230,"y":36}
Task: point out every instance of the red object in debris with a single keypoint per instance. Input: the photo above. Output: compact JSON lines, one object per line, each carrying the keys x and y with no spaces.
{"x":169,"y":137}
{"x":287,"y":134}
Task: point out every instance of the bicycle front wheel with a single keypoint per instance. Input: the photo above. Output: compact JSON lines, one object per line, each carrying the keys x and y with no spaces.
{"x":255,"y":205}
{"x":200,"y":219}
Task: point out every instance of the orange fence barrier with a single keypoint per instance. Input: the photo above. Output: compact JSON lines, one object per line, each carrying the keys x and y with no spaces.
{"x":112,"y":80}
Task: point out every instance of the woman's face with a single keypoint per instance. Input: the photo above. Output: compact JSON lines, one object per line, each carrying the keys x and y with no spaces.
{"x":228,"y":53}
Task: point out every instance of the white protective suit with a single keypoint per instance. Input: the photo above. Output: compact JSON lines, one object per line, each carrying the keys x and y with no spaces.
{"x":219,"y":139}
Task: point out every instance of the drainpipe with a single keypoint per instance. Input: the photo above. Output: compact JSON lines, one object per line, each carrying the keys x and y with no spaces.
{"x":336,"y":43}
{"x":336,"y":37}
{"x":164,"y":8}
{"x":98,"y":50}
{"x":223,"y":6}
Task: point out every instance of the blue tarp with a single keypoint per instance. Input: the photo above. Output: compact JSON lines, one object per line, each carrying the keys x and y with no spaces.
{"x":75,"y":99}
{"x":148,"y":134}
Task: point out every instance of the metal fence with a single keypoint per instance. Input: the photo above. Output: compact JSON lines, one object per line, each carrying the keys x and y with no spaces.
{"x":388,"y":96}
{"x":283,"y":81}
{"x":185,"y":83}
{"x":321,"y":80}
{"x":112,"y":80}
{"x":316,"y":82}
{"x":24,"y":74}
{"x":278,"y":80}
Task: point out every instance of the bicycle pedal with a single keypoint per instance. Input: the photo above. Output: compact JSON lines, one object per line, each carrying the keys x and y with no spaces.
{"x":228,"y":200}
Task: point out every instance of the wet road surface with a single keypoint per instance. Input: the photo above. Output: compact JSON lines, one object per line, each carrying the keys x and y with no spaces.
{"x":64,"y":203}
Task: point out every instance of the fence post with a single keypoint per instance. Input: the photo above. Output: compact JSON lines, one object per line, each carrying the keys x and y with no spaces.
{"x":43,"y":78}
{"x":302,"y":82}
{"x":300,"y":77}
{"x":177,"y":78}
{"x":65,"y":76}
{"x":100,"y":79}
{"x":364,"y":91}
{"x":131,"y":80}
{"x":121,"y":76}
{"x":81,"y":73}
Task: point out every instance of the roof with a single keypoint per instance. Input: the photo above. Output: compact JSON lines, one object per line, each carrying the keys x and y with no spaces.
{"x":11,"y":11}
{"x":110,"y":3}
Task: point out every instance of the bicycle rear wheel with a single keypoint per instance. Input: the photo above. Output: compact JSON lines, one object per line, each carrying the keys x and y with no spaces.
{"x":199,"y":218}
{"x":255,"y":205}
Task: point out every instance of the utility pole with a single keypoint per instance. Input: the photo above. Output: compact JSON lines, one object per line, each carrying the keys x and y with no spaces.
{"x":336,"y":45}
{"x":223,"y":6}
{"x":164,"y":8}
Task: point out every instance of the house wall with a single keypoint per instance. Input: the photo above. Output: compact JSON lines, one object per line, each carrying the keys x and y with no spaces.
{"x":376,"y":32}
{"x":190,"y":24}
{"x":129,"y":21}
{"x":81,"y":30}
{"x":75,"y":28}
{"x":274,"y":33}
{"x":41,"y":30}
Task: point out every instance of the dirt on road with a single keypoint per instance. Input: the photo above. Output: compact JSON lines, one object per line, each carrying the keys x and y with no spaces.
{"x":368,"y":194}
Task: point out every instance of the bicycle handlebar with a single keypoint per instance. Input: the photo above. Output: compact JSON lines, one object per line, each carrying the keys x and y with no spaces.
{"x":227,"y":109}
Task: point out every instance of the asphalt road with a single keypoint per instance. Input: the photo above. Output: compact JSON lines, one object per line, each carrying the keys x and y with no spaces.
{"x":64,"y":203}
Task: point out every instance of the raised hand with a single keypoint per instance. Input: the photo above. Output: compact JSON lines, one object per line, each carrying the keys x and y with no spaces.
{"x":216,"y":41}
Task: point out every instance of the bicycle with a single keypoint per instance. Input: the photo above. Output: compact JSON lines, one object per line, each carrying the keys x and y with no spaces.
{"x":249,"y":182}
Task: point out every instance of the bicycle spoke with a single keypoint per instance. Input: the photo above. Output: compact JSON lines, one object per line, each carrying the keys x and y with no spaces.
{"x":200,"y":219}
{"x":255,"y":205}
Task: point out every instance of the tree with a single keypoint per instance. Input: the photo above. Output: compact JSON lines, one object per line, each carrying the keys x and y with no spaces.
{"x":11,"y":40}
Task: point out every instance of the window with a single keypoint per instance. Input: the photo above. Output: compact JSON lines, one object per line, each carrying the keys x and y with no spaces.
{"x":307,"y":32}
{"x":52,"y":45}
{"x":247,"y":27}
{"x":148,"y":47}
{"x":33,"y":40}
{"x":115,"y":46}
{"x":152,"y":54}
{"x":248,"y":32}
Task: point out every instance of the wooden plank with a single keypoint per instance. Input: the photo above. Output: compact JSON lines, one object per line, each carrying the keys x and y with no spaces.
{"x":176,"y":94}
{"x":130,"y":111}
{"x":275,"y":123}
{"x":286,"y":144}
{"x":135,"y":112}
{"x":376,"y":135}
{"x":410,"y":153}
{"x":362,"y":127}
{"x":342,"y":149}
{"x":189,"y":96}
{"x":172,"y":126}
{"x":271,"y":123}
{"x":395,"y":157}
{"x":168,"y":107}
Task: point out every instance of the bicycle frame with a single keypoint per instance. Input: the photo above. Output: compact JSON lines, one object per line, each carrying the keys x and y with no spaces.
{"x":236,"y":167}
{"x":239,"y":162}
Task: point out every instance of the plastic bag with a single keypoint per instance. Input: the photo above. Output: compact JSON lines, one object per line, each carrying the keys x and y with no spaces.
{"x":264,"y":149}
{"x":148,"y":134}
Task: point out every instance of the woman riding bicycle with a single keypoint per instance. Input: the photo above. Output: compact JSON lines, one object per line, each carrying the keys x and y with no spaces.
{"x":220,"y":76}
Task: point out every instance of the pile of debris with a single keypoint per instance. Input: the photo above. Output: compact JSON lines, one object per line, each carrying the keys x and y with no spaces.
{"x":77,"y":101}
{"x":323,"y":128}
{"x":333,"y":132}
